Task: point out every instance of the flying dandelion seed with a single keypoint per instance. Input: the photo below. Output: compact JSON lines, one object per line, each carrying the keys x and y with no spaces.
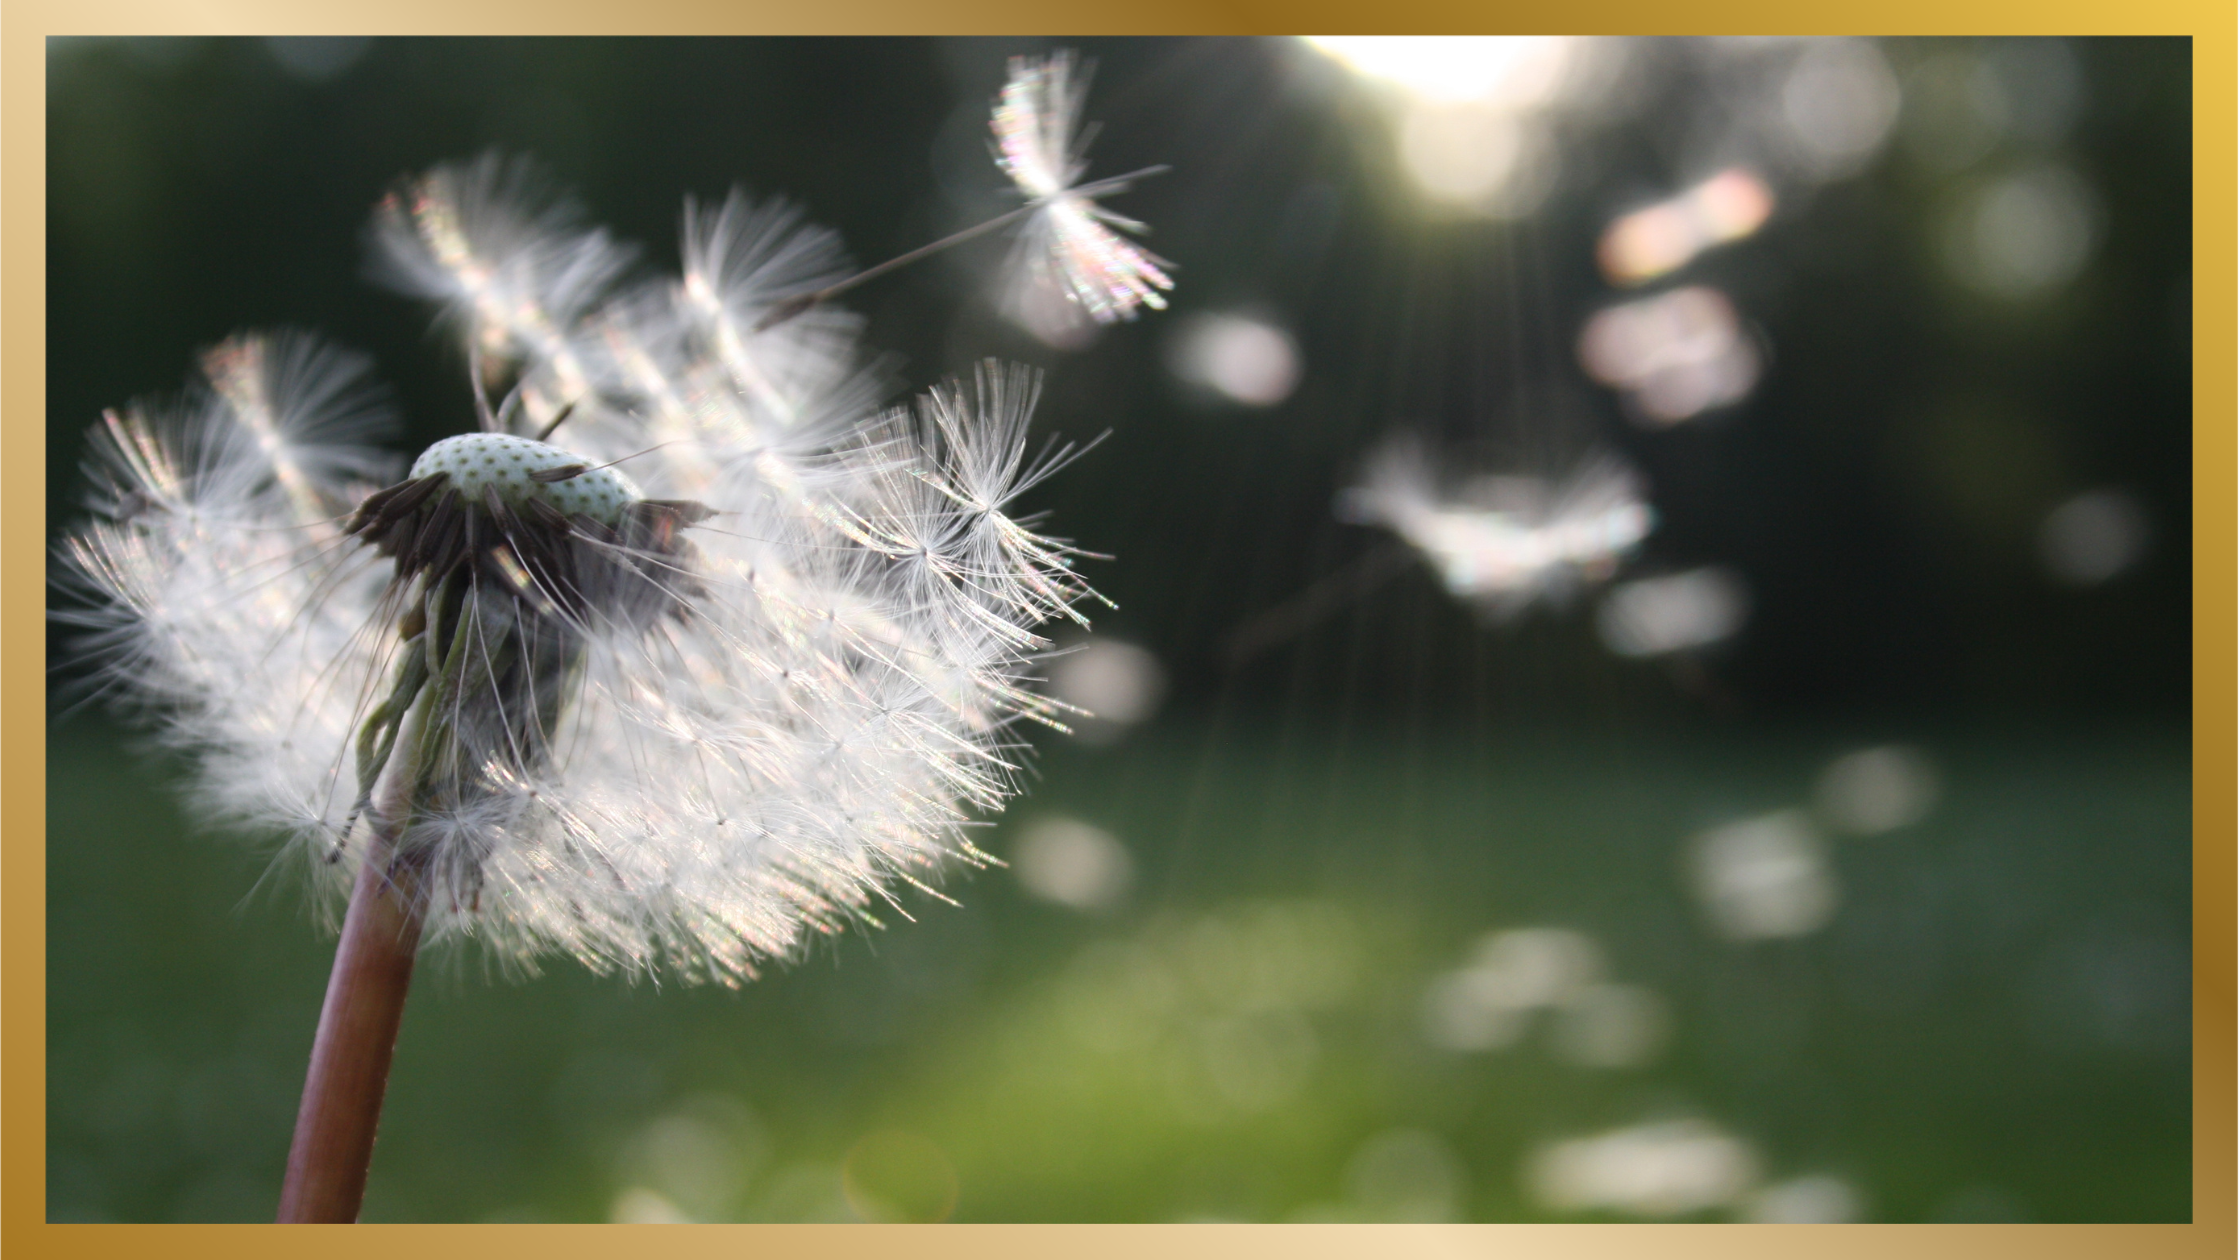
{"x":1069,"y":271}
{"x":676,"y":661}
{"x":1068,"y":247}
{"x":1504,"y":543}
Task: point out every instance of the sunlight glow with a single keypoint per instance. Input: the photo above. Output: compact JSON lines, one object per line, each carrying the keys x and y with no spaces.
{"x":1469,"y":125}
{"x":1515,"y":72}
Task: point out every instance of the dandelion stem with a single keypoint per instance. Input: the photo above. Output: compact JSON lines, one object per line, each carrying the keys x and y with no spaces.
{"x":357,"y":1037}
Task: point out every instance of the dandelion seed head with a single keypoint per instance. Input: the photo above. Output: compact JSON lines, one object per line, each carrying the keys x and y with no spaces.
{"x":681,"y":719}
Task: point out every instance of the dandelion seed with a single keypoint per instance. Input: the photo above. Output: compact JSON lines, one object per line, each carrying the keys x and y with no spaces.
{"x":1505,"y":542}
{"x":687,"y":655}
{"x":1068,"y":264}
{"x":1068,"y":246}
{"x":507,"y":255}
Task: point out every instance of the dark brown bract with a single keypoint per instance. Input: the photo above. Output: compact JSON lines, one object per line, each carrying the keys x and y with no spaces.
{"x":633,"y":571}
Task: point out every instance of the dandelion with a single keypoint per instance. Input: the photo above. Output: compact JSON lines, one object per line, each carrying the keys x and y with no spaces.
{"x":1505,"y":542}
{"x":1068,"y":246}
{"x":685,"y":655}
{"x":1068,"y":263}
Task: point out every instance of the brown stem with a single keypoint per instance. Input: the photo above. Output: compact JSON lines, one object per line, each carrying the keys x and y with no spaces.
{"x":791,"y":307}
{"x":357,"y":1037}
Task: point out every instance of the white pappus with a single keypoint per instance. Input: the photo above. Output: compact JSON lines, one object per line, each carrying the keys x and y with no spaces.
{"x":1505,"y":542}
{"x":1067,"y":249}
{"x":689,"y":652}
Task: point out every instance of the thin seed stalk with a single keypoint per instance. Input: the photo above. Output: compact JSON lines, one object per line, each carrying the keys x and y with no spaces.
{"x":786,"y":310}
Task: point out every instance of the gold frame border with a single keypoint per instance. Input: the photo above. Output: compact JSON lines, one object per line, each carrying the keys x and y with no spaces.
{"x":2216,"y":451}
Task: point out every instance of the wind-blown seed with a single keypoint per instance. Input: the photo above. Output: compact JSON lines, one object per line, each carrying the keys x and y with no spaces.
{"x":1068,"y":247}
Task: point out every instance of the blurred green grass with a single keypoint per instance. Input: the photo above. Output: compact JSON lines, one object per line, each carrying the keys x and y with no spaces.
{"x":1993,"y":1025}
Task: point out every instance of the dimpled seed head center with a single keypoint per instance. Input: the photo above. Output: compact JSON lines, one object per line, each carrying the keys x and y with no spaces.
{"x":475,"y":460}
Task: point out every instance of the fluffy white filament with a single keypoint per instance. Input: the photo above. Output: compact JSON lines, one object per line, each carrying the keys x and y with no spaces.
{"x":818,"y":714}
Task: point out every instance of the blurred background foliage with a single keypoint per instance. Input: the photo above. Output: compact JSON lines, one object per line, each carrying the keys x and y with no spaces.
{"x":1846,"y":877}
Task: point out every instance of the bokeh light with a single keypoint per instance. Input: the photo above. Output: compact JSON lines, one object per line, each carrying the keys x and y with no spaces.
{"x":316,"y":58}
{"x":1237,"y":357}
{"x":2093,"y":537}
{"x":1965,"y":103}
{"x":1666,"y":236}
{"x":1840,"y":99}
{"x":1488,"y":1003}
{"x":1612,"y":1026}
{"x":1675,"y":355}
{"x":691,"y":1163}
{"x":1673,"y":613}
{"x":1874,"y":790}
{"x":640,"y":1205}
{"x":1817,"y":1199}
{"x":1763,"y":878}
{"x":2025,"y":234}
{"x":1658,"y":1170}
{"x":1115,"y":684}
{"x":1072,"y":863}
